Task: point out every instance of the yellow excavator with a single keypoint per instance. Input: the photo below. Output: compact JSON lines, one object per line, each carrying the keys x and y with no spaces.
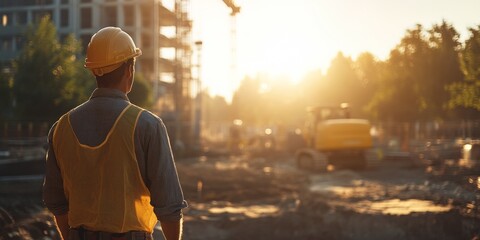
{"x":332,"y":138}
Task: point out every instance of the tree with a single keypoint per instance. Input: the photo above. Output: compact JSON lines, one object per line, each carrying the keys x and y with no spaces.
{"x":312,"y":88}
{"x":48,"y":78}
{"x":401,"y":94}
{"x":6,"y":102}
{"x":369,"y":72}
{"x":422,"y":65}
{"x":141,"y":93}
{"x":279,"y":101}
{"x":444,"y":69}
{"x":471,"y":56}
{"x":466,"y":94}
{"x":343,"y":85}
{"x":216,"y":109}
{"x":246,"y":101}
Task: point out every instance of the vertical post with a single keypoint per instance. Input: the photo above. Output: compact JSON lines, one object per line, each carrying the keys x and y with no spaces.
{"x":199,"y":189}
{"x":156,"y":54}
{"x":30,"y":129}
{"x":19,"y":130}
{"x":44,"y":129}
{"x":233,"y":39}
{"x":198,"y":102}
{"x":5,"y":129}
{"x":178,"y":85}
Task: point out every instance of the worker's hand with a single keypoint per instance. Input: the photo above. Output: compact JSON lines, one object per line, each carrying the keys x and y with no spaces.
{"x":172,"y":230}
{"x":62,"y":225}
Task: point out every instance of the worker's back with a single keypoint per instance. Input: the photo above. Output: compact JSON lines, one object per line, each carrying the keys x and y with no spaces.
{"x":102,"y":181}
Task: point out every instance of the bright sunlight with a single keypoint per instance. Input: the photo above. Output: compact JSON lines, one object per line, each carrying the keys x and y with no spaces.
{"x":292,"y":38}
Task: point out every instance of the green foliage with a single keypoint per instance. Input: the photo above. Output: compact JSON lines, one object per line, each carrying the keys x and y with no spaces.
{"x":465,"y":94}
{"x":245,"y":101}
{"x":6,"y":99}
{"x":405,"y":99}
{"x":48,"y":78}
{"x":418,"y":72}
{"x":216,"y":108}
{"x":369,"y":72}
{"x":343,"y":85}
{"x":471,"y":56}
{"x":312,"y":87}
{"x":445,"y":69}
{"x":141,"y":93}
{"x":264,"y":100}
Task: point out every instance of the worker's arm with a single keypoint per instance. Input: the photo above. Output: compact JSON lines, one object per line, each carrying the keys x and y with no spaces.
{"x":53,"y":193}
{"x":62,"y":225}
{"x":172,"y":230}
{"x":161,"y":176}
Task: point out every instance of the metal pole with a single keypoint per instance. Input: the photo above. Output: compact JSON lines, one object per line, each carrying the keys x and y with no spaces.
{"x":156,"y":55}
{"x":198,"y":102}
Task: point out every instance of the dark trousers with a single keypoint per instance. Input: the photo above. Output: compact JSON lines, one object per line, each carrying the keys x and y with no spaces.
{"x":84,"y":234}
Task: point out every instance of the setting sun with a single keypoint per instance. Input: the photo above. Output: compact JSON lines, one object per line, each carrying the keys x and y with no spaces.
{"x":291,"y":38}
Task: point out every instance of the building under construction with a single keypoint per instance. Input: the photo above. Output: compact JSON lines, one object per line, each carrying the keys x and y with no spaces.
{"x":162,"y":30}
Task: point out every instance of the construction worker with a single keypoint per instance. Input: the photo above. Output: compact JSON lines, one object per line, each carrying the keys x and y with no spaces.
{"x":110,"y":172}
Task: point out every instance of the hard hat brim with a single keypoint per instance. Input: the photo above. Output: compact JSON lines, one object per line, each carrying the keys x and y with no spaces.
{"x":95,"y":65}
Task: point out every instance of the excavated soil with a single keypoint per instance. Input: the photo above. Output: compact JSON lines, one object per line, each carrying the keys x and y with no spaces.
{"x":269,"y":198}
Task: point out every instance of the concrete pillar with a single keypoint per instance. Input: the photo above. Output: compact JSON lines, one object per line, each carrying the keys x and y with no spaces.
{"x":56,"y":13}
{"x":137,"y":23}
{"x":120,"y":15}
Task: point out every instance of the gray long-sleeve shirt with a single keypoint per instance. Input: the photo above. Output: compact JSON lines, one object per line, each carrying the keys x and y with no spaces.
{"x":91,"y":122}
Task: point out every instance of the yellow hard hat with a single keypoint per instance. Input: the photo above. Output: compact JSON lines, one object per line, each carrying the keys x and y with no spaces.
{"x":108,"y":49}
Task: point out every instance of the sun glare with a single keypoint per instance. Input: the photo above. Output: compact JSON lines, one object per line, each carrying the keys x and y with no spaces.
{"x":292,"y":38}
{"x":283,"y":44}
{"x":289,"y":42}
{"x":283,"y":61}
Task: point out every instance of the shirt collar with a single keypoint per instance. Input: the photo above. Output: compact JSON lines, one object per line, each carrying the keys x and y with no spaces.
{"x":109,"y":93}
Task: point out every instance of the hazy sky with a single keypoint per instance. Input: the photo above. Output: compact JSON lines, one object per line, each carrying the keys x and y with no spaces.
{"x":281,"y":37}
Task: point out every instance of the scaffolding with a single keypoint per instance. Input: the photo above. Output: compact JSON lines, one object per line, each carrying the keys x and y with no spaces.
{"x":176,"y":102}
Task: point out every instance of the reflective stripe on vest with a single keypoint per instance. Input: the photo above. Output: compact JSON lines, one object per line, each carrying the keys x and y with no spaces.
{"x":103,"y":183}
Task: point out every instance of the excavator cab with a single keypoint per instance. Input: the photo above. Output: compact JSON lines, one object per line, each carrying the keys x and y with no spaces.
{"x":322,"y":113}
{"x":330,"y":112}
{"x":334,"y":138}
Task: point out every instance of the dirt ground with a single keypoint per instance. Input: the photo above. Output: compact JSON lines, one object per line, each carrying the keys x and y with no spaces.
{"x":241,"y":197}
{"x":268,"y":198}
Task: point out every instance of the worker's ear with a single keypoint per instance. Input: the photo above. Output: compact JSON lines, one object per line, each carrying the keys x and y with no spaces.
{"x":130,"y":70}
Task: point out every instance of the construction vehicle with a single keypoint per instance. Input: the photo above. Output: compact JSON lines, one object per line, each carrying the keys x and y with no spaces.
{"x":332,"y":138}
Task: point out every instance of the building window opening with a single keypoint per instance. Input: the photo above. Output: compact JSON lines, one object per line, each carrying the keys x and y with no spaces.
{"x":146,"y":17}
{"x":128,"y":12}
{"x":21,"y":18}
{"x":64,"y":18}
{"x":19,"y":42}
{"x":86,"y":18}
{"x":4,"y":20}
{"x":6,"y":44}
{"x":146,"y":41}
{"x":110,"y":16}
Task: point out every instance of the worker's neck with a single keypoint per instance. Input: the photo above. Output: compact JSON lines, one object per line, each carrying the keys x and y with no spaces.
{"x":122,"y":86}
{"x":114,"y":88}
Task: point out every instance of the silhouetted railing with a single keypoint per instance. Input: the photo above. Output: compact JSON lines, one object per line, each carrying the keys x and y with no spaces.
{"x":23,"y":129}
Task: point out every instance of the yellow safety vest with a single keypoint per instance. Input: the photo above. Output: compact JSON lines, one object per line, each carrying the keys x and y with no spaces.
{"x":103,"y":184}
